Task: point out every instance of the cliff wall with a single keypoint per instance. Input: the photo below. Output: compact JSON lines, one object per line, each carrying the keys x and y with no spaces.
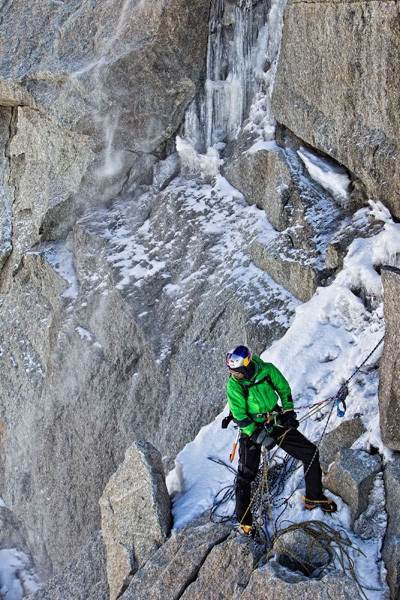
{"x":120,"y":291}
{"x":337,"y":87}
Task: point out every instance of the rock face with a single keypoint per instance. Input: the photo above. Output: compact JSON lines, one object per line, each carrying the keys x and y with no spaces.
{"x":275,"y":179}
{"x":389,"y":382}
{"x":122,"y":72}
{"x":391,"y":546}
{"x":84,"y":578}
{"x":135,"y":514}
{"x":346,"y":105}
{"x":44,"y":166}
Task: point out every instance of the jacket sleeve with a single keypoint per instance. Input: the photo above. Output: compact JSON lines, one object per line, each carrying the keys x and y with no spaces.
{"x":238,"y":407}
{"x":282,"y":387}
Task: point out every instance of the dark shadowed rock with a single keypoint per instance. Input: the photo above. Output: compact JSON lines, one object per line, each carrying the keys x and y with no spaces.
{"x":299,"y":551}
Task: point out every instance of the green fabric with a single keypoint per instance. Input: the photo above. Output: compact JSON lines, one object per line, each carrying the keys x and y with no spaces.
{"x":262,"y":398}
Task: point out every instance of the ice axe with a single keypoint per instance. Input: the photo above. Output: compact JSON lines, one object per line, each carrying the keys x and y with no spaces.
{"x":232,"y":454}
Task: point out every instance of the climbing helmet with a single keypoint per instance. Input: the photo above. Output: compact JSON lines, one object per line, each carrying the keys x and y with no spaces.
{"x":238,"y":357}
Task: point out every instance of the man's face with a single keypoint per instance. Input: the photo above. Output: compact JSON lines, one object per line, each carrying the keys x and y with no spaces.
{"x":236,"y":375}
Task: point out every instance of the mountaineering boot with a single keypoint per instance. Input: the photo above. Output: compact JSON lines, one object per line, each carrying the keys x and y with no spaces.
{"x":245,"y":529}
{"x":328,"y":506}
{"x":250,"y":531}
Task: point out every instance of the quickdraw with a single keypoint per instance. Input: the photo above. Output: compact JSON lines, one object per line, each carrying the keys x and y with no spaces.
{"x":339,"y":400}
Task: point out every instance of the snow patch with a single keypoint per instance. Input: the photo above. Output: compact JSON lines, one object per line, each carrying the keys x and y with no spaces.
{"x":331,"y":176}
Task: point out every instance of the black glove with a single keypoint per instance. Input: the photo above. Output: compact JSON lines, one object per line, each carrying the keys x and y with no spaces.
{"x":288,"y":419}
{"x":226,"y":421}
{"x":260,"y":436}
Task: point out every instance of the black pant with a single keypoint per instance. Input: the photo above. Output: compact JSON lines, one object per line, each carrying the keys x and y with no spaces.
{"x":297,"y":446}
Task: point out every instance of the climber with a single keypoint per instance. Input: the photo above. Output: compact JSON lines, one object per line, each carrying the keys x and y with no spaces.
{"x":253,"y":390}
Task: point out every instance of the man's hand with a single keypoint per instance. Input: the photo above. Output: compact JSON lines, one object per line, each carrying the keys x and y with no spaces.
{"x":288,"y":419}
{"x":260,"y":436}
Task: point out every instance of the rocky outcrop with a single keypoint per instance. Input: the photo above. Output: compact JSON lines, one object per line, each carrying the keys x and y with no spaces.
{"x":340,"y":438}
{"x":46,"y":166}
{"x":345,"y":106}
{"x":389,"y":378}
{"x":222,"y":569}
{"x":169,"y":572}
{"x":135,"y":514}
{"x":351,"y":476}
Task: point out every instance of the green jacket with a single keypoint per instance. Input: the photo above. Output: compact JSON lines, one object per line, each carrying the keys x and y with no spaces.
{"x":262,"y":396}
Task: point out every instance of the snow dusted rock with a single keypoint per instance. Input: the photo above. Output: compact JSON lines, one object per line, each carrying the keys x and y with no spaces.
{"x":274,"y":582}
{"x":288,"y":266}
{"x":389,"y":369}
{"x":338,"y":439}
{"x":391,"y":545}
{"x":359,"y":226}
{"x":84,"y":578}
{"x":135,"y":514}
{"x":263,"y":176}
{"x":175,"y":565}
{"x":349,"y":122}
{"x":165,"y":171}
{"x":276,"y":180}
{"x":351,"y":476}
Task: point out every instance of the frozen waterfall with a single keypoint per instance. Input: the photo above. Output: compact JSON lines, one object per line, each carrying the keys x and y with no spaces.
{"x":243,"y":49}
